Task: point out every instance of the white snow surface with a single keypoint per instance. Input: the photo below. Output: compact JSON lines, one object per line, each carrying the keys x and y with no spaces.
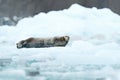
{"x":92,"y":53}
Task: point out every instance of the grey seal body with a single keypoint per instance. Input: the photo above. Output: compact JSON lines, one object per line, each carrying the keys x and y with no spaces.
{"x":43,"y":42}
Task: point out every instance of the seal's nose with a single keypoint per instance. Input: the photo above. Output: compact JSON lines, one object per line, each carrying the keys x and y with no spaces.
{"x":18,"y":46}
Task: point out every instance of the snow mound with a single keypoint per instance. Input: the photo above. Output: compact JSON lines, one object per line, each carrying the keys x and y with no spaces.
{"x":91,"y":54}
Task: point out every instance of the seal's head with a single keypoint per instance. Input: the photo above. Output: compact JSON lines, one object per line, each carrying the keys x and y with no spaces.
{"x":21,"y":44}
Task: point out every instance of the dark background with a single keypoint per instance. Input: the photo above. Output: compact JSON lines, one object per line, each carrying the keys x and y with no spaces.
{"x":24,"y":8}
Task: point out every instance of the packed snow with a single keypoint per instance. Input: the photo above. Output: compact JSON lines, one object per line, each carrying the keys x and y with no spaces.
{"x":92,"y":53}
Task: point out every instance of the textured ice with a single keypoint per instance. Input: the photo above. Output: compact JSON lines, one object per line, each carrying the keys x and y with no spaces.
{"x":92,"y":53}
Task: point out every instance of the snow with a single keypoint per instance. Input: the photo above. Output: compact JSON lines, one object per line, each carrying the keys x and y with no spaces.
{"x":91,"y":54}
